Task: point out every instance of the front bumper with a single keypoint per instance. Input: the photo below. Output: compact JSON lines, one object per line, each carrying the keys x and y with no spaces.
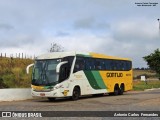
{"x":54,"y":93}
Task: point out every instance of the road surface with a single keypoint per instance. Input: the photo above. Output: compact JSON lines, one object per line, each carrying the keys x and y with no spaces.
{"x":130,"y":101}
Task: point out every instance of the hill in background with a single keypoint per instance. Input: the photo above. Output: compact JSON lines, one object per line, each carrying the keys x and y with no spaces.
{"x":13,"y":73}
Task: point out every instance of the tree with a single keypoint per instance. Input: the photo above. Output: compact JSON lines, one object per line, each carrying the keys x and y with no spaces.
{"x":56,"y":47}
{"x":153,"y":61}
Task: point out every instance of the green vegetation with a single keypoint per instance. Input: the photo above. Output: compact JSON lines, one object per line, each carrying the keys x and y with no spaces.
{"x":13,"y":73}
{"x":153,"y":61}
{"x":152,"y":80}
{"x":141,"y":85}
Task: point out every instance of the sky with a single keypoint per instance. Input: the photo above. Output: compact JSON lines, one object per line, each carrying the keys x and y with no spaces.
{"x":112,"y":27}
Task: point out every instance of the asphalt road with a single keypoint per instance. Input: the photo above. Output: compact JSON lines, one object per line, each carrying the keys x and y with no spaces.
{"x":130,"y":101}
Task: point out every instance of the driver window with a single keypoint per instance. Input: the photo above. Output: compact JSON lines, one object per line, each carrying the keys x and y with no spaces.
{"x":64,"y":72}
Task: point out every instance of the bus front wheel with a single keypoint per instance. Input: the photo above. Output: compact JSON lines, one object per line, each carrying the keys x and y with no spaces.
{"x":76,"y":93}
{"x":116,"y":90}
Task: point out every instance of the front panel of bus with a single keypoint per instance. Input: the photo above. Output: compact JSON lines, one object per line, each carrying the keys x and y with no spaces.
{"x":45,"y":78}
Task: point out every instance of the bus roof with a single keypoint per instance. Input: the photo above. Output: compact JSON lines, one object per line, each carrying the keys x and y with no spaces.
{"x":55,"y":55}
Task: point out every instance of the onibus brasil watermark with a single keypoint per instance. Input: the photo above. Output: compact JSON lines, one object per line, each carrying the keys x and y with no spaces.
{"x":21,"y":114}
{"x":30,"y":114}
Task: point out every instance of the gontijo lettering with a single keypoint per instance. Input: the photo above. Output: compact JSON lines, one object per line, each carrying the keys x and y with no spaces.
{"x":110,"y":74}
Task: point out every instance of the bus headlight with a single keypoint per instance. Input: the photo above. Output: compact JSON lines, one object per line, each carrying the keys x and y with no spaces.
{"x":57,"y":87}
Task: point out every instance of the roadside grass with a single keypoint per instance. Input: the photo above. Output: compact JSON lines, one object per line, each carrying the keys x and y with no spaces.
{"x":150,"y":74}
{"x":142,"y":85}
{"x":142,"y":72}
{"x":13,"y":73}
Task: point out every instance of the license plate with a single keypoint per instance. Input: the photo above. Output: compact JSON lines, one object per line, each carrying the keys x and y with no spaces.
{"x":42,"y":94}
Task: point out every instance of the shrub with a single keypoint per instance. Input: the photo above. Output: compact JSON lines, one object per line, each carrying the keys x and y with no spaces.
{"x":9,"y":80}
{"x":13,"y":73}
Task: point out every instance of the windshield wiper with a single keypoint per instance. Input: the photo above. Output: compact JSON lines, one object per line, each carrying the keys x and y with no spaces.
{"x":35,"y":82}
{"x":43,"y":76}
{"x":52,"y":83}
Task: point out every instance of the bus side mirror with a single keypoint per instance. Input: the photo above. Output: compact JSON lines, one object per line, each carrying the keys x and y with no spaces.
{"x":59,"y":66}
{"x":27,"y":69}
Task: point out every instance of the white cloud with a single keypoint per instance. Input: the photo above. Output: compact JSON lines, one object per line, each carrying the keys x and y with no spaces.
{"x":118,"y":28}
{"x":137,"y":29}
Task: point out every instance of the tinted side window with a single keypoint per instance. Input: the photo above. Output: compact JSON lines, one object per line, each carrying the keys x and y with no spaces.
{"x":117,"y":65}
{"x":79,"y":64}
{"x":99,"y":64}
{"x":120,"y":65}
{"x":69,"y":59}
{"x":124,"y":65}
{"x":89,"y":64}
{"x":113,"y":65}
{"x":128,"y":65}
{"x":64,"y":72}
{"x":107,"y":64}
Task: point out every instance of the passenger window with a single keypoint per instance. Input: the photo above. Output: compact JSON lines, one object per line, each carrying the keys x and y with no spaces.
{"x":79,"y":65}
{"x":128,"y":66}
{"x":118,"y":64}
{"x":100,"y":65}
{"x":122,"y":65}
{"x":107,"y":64}
{"x":89,"y":64}
{"x":113,"y":67}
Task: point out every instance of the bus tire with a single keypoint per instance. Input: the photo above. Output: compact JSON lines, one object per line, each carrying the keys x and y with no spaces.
{"x":51,"y":99}
{"x":76,"y":93}
{"x":116,"y":90}
{"x":121,"y":90}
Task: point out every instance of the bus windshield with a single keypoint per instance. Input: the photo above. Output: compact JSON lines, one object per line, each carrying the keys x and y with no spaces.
{"x":44,"y":72}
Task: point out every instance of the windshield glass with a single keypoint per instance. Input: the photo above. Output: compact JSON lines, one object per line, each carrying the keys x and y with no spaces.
{"x":44,"y":72}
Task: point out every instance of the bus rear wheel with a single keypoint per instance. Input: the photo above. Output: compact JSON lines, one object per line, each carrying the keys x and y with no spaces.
{"x":121,"y":90}
{"x":76,"y":93}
